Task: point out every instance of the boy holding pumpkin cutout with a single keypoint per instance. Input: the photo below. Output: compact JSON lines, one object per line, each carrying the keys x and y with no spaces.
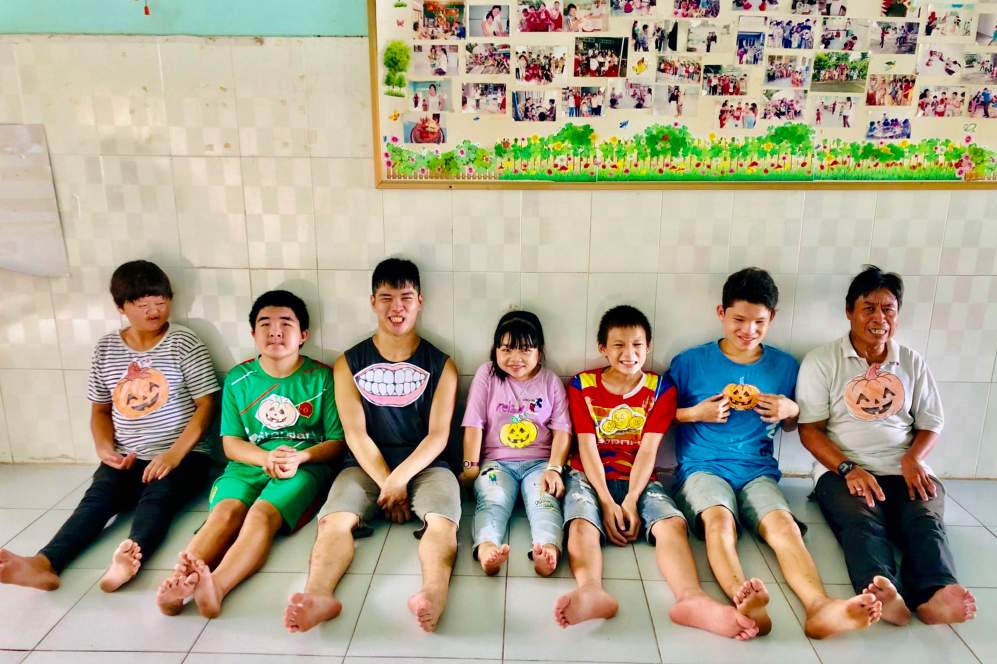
{"x":152,"y":392}
{"x":732,"y":398}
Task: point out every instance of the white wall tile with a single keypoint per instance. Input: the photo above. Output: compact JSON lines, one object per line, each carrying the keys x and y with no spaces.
{"x":556,"y":231}
{"x":695,"y":231}
{"x":280,"y":220}
{"x":970,"y":244}
{"x":37,"y":415}
{"x":349,"y":214}
{"x":909,"y":229}
{"x":79,"y":416}
{"x":28,"y":337}
{"x":337,"y":89}
{"x":766,"y":230}
{"x":436,"y":322}
{"x":626,"y":226}
{"x":563,"y":312}
{"x":10,"y":86}
{"x":84,"y":312}
{"x":418,"y":225}
{"x":215,"y":304}
{"x":211,"y":211}
{"x":606,"y":291}
{"x":819,"y":312}
{"x":304,"y":284}
{"x":487,"y":230}
{"x":987,"y":465}
{"x":958,"y":446}
{"x":479,"y":300}
{"x":837,"y":231}
{"x":346,"y":314}
{"x":963,"y":341}
{"x":685,"y":314}
{"x":5,"y":456}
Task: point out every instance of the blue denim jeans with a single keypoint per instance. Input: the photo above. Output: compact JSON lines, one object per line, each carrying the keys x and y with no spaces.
{"x":497,"y":487}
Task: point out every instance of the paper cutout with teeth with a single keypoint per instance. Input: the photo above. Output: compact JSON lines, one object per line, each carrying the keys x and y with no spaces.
{"x":874,"y":395}
{"x":395,"y":385}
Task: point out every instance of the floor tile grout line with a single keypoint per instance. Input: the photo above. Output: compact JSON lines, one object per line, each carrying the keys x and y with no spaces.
{"x":68,"y":611}
{"x":965,"y":643}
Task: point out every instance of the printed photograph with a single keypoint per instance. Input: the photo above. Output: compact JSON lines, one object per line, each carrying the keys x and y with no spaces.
{"x":540,"y":65}
{"x":986,"y":30}
{"x":707,"y":37}
{"x":787,"y":71}
{"x":676,"y":101}
{"x":696,"y":8}
{"x":632,"y":7}
{"x":486,"y":59}
{"x":488,"y":20}
{"x":438,"y":19}
{"x":900,"y":8}
{"x":755,"y":5}
{"x":840,"y":71}
{"x":750,"y":40}
{"x":435,"y":60}
{"x":665,"y":38}
{"x":844,"y":34}
{"x":890,"y":90}
{"x":940,"y":101}
{"x":557,"y":16}
{"x":424,"y":128}
{"x":640,"y":36}
{"x":895,"y":37}
{"x":737,"y":114}
{"x":949,"y":19}
{"x":641,"y":66}
{"x":583,"y":102}
{"x":430,"y":96}
{"x":627,"y":95}
{"x":534,"y":105}
{"x":600,"y":56}
{"x":981,"y":68}
{"x":888,"y":126}
{"x":724,"y":81}
{"x":792,"y":32}
{"x":982,"y":103}
{"x":483,"y":98}
{"x":940,"y":60}
{"x":679,"y":69}
{"x":784,"y":105}
{"x":833,"y":111}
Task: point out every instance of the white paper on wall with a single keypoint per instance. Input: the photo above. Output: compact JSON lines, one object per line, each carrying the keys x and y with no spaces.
{"x":30,"y":229}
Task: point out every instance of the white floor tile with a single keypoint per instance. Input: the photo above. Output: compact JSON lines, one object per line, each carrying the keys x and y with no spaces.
{"x":400,"y":554}
{"x":617,"y":562}
{"x":13,"y":522}
{"x":217,"y":658}
{"x":748,"y":550}
{"x":981,"y":634}
{"x":127,"y":620}
{"x":29,"y":614}
{"x":797,"y":491}
{"x":96,"y":556}
{"x":785,"y":643}
{"x":181,"y":532}
{"x":825,"y":550}
{"x":471,"y":627}
{"x":531,"y":632}
{"x":70,"y":657}
{"x":974,"y":550}
{"x":888,"y":644}
{"x":979,"y":497}
{"x":291,"y":553}
{"x":417,"y":660}
{"x":957,"y":515}
{"x":41,"y":486}
{"x":252,"y":619}
{"x":12,"y":656}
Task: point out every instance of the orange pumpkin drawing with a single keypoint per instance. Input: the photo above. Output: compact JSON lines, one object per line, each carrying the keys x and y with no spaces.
{"x":742,"y":396}
{"x":141,"y":391}
{"x":875,"y":395}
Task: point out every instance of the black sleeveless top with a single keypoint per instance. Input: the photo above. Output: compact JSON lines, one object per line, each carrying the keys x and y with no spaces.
{"x":396,"y":397}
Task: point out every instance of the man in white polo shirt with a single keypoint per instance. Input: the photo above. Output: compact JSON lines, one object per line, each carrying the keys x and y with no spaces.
{"x":870,"y":413}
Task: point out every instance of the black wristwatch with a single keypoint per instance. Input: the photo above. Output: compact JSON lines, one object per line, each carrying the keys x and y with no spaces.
{"x":845,"y":467}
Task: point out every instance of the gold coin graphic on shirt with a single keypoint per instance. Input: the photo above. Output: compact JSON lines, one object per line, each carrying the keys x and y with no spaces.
{"x":621,"y":416}
{"x":636,"y":422}
{"x":142,"y":390}
{"x":607,"y":427}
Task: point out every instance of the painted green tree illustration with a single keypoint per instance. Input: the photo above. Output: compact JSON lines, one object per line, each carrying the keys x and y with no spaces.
{"x":396,"y":61}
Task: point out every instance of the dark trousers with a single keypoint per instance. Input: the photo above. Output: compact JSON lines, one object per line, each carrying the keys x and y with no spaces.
{"x":114,"y":491}
{"x":870,"y":536}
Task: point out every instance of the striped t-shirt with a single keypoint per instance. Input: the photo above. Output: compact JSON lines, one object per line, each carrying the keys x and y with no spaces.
{"x":151,"y":392}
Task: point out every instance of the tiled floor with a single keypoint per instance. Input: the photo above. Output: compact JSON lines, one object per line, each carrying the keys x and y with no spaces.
{"x":507,"y":618}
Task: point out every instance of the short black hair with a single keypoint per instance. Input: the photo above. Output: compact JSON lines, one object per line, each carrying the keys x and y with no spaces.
{"x":137,"y":279}
{"x":395,"y":273}
{"x":871,"y":279}
{"x":753,"y":285}
{"x":280,"y":298}
{"x":622,"y":316}
{"x":524,"y":331}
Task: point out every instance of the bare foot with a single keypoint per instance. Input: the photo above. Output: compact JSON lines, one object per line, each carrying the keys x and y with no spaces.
{"x":207,"y":594}
{"x":34,"y":572}
{"x":124,"y":565}
{"x":951,"y":604}
{"x":895,"y":610}
{"x":305,"y":610}
{"x":427,"y":606}
{"x":174,"y":591}
{"x":842,"y":615}
{"x":704,"y":612}
{"x":750,"y":600}
{"x":492,"y":557}
{"x":544,"y":559}
{"x":584,"y":603}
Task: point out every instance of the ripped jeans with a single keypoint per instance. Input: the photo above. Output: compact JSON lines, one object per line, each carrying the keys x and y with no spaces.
{"x":497,"y":487}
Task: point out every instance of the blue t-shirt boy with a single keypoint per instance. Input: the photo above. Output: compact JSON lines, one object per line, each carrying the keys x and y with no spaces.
{"x":740,"y":449}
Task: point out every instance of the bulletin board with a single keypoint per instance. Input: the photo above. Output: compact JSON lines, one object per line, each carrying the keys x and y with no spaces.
{"x":538,"y":93}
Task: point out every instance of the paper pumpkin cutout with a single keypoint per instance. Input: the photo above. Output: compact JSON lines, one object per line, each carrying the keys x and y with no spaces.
{"x":742,"y":396}
{"x":518,"y":433}
{"x":874,"y":395}
{"x":141,"y":391}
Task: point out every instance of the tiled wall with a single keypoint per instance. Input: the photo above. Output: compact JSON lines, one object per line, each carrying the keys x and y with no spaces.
{"x":241,"y":166}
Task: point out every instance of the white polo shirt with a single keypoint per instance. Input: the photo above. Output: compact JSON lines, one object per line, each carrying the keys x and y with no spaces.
{"x":871,"y":413}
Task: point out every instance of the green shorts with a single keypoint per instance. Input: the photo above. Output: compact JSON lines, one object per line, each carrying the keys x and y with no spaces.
{"x":296,"y":498}
{"x":750,"y":505}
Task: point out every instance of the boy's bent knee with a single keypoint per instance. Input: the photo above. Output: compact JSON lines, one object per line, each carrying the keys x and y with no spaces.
{"x":668,"y":529}
{"x":718,"y":519}
{"x":438,"y":524}
{"x":265,"y":515}
{"x":230,"y":512}
{"x":779,"y":525}
{"x":338,"y":523}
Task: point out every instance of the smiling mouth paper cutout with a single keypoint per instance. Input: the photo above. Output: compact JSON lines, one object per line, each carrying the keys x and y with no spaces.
{"x":874,"y":395}
{"x":392,"y":384}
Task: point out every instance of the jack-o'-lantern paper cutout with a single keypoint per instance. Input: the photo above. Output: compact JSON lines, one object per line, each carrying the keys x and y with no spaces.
{"x":741,"y":395}
{"x":277,"y":412}
{"x":142,"y":390}
{"x":874,"y":395}
{"x":520,"y":432}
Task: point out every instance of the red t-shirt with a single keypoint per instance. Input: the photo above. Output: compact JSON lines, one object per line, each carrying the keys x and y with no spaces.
{"x":619,"y":421}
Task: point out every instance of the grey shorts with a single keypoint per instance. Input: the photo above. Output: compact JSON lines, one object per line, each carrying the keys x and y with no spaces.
{"x":433,"y":490}
{"x":757,"y":498}
{"x":582,"y":502}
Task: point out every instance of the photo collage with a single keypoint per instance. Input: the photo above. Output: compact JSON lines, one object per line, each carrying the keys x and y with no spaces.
{"x":855,"y":69}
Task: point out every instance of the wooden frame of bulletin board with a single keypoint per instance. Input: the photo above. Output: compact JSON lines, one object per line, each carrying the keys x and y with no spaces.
{"x":684,"y":93}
